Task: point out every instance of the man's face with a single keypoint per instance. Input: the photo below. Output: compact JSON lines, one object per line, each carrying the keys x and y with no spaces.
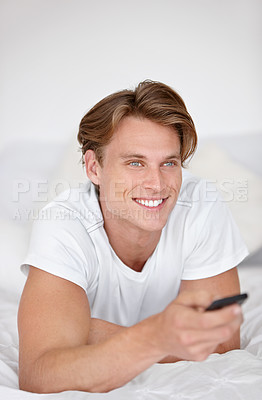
{"x":141,"y":175}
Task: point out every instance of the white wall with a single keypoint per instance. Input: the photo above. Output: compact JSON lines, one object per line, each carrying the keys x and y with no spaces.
{"x":59,"y":57}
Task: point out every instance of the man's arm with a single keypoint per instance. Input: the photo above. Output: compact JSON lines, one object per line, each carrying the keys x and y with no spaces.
{"x":54,"y":325}
{"x":222,"y":285}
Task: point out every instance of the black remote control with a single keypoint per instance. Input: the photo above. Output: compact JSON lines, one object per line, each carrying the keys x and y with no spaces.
{"x":227,"y":301}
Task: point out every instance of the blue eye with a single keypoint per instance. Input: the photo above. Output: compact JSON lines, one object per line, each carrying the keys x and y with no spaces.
{"x":169,"y":164}
{"x":135,"y":163}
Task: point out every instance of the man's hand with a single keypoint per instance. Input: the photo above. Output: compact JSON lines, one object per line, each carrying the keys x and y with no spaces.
{"x":190,"y":333}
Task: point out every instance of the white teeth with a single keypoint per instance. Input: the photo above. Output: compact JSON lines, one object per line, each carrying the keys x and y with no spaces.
{"x":149,"y":203}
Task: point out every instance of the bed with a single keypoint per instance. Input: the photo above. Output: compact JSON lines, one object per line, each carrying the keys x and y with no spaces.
{"x":234,"y":375}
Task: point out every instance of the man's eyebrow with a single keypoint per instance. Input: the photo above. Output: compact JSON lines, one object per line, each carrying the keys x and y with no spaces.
{"x":126,"y":156}
{"x":174,"y":156}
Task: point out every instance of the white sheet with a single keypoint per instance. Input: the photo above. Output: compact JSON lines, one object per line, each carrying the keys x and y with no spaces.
{"x":234,"y":375}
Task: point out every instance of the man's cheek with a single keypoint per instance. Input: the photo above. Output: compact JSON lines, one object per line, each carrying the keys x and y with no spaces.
{"x":119,"y":189}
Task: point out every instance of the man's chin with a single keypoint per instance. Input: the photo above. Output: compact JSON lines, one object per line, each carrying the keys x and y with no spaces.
{"x":151,"y":225}
{"x":144,"y":219}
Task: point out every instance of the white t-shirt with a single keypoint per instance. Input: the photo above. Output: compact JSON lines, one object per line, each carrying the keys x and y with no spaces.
{"x":200,"y":240}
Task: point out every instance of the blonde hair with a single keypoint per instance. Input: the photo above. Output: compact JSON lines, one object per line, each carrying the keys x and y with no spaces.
{"x":152,"y":100}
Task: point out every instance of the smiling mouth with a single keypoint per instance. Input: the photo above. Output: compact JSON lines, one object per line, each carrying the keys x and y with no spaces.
{"x":150,"y":203}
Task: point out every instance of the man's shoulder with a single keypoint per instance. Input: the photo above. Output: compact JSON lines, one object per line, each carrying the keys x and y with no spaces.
{"x":197,"y":196}
{"x":190,"y":188}
{"x":78,"y":203}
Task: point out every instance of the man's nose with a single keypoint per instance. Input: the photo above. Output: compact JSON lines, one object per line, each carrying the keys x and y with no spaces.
{"x":153,"y":180}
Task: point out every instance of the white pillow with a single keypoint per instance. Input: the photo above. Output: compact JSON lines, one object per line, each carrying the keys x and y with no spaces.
{"x":25,"y":172}
{"x":25,"y":167}
{"x":70,"y":172}
{"x":14,"y":239}
{"x":239,"y":186}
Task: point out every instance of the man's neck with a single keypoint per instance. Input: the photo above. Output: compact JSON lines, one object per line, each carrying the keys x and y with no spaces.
{"x":133,"y":247}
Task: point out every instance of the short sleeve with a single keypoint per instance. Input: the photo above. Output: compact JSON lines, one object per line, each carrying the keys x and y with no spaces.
{"x":214,"y":242}
{"x":61,"y":245}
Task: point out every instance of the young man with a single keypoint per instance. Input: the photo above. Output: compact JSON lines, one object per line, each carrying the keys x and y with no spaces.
{"x":119,"y":276}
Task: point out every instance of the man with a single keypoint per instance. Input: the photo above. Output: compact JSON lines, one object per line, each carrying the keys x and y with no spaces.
{"x":119,"y":276}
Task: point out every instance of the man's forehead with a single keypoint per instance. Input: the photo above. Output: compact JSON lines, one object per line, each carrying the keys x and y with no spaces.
{"x":138,"y":138}
{"x":135,"y":123}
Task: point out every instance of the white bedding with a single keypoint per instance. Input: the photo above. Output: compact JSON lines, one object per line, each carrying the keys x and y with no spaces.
{"x":234,"y":375}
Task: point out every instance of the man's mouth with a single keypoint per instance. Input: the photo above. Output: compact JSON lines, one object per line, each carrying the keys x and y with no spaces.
{"x":151,"y":203}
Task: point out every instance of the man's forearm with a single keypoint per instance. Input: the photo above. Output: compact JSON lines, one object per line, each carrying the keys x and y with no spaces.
{"x":98,"y":367}
{"x":101,"y":330}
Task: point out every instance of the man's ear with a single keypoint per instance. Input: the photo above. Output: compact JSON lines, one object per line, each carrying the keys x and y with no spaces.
{"x":92,"y":167}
